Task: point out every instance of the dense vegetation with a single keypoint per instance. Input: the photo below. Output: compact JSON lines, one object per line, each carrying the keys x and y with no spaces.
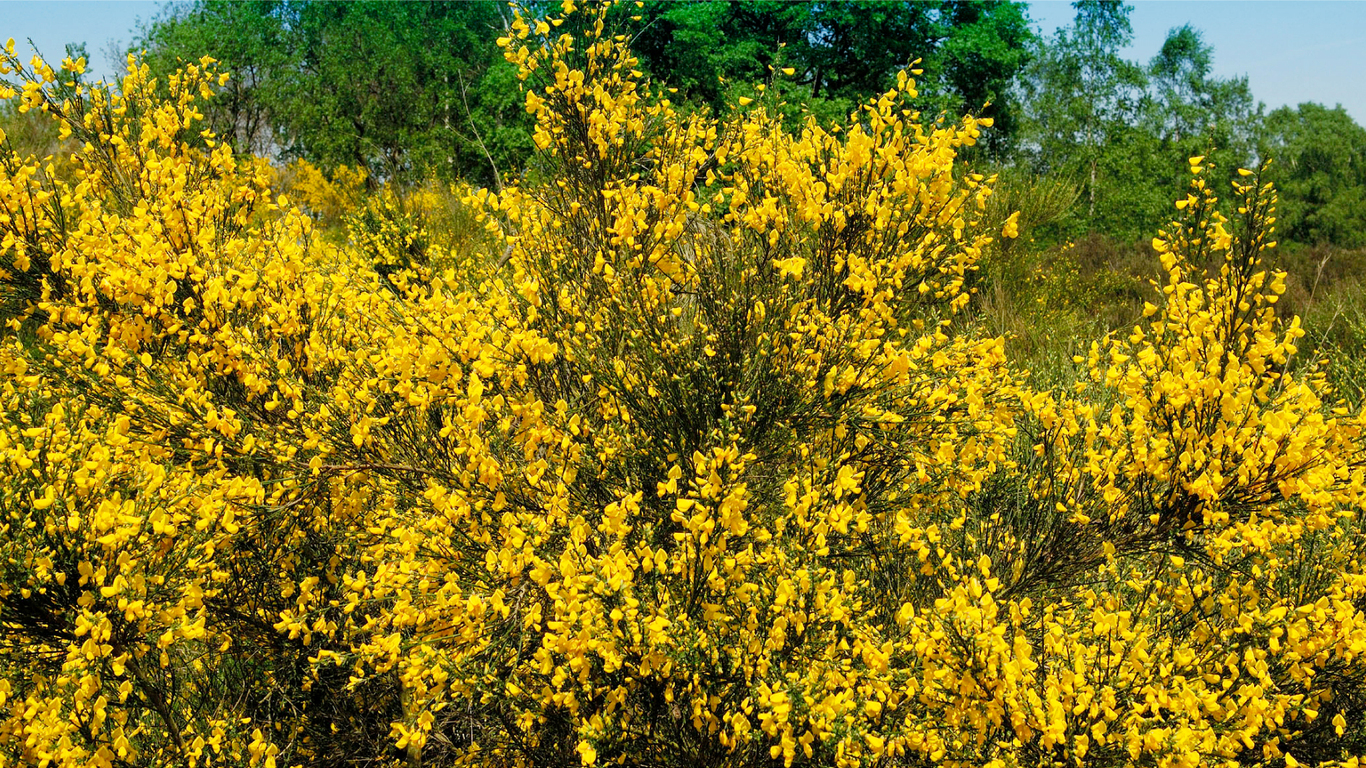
{"x":412,"y":89}
{"x":697,"y":433}
{"x":1089,"y":146}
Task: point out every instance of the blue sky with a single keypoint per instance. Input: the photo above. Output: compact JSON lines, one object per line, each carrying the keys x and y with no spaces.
{"x":54,"y":23}
{"x":1291,"y":50}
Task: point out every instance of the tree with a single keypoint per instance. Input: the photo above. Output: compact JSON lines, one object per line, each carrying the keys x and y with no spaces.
{"x":395,"y":88}
{"x":1319,"y":161}
{"x":1180,"y":75}
{"x":384,"y":85}
{"x":1082,"y":94}
{"x":1125,"y":130}
{"x":1081,"y":91}
{"x":251,"y":39}
{"x":1192,"y":112}
{"x":843,"y":52}
{"x":698,"y":46}
{"x":988,"y":46}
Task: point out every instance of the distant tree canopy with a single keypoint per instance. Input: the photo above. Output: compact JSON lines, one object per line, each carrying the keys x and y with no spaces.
{"x":408,"y":90}
{"x":399,"y":87}
{"x":1122,"y":129}
{"x":1321,"y":171}
{"x":842,"y":52}
{"x":390,"y":87}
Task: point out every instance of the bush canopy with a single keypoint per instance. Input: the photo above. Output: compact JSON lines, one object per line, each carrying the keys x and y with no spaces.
{"x":695,"y":458}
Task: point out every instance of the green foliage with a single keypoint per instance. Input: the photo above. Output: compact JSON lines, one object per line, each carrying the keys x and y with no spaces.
{"x":989,"y":46}
{"x":250,"y":39}
{"x":384,"y":85}
{"x":1190,"y":112}
{"x":1188,"y":102}
{"x":28,"y":133}
{"x":1320,"y":167}
{"x":1081,"y":93}
{"x":696,"y":47}
{"x":842,"y":52}
{"x":406,"y":90}
{"x":401,"y":89}
{"x":1124,"y":129}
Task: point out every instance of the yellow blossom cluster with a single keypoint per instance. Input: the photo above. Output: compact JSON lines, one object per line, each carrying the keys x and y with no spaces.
{"x":692,"y":460}
{"x":328,"y":197}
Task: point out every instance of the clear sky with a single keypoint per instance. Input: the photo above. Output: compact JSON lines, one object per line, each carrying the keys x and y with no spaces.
{"x":53,"y":23}
{"x":1291,"y":50}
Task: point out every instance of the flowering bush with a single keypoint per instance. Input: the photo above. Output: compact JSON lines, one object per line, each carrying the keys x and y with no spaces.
{"x":327,"y":197}
{"x":697,"y":463}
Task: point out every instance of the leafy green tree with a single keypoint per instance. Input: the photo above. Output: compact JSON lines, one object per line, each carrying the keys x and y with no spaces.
{"x":978,"y":63}
{"x":841,"y":52}
{"x":1187,"y":112}
{"x":1082,"y":95}
{"x":385,"y":85}
{"x":1319,"y":164}
{"x":1124,"y":130}
{"x":397,"y":88}
{"x":1192,"y":111}
{"x":251,"y":40}
{"x":850,"y":48}
{"x":1180,"y":76}
{"x":698,"y":46}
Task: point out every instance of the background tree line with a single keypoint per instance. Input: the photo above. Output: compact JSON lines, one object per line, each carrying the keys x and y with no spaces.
{"x":408,"y":90}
